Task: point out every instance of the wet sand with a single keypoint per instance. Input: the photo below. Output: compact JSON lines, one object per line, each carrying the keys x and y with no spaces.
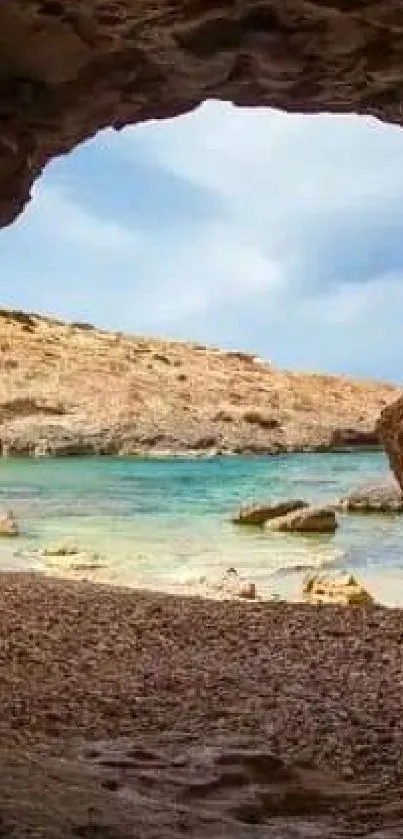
{"x":129,"y":714}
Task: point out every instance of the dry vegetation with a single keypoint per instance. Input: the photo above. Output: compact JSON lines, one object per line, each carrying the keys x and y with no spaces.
{"x":73,"y":389}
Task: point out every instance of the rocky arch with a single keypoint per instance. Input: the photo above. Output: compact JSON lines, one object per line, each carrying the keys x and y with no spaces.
{"x":71,"y":67}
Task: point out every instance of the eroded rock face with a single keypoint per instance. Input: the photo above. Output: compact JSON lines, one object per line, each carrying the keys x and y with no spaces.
{"x":68,"y":389}
{"x":390,"y":431}
{"x":69,"y":68}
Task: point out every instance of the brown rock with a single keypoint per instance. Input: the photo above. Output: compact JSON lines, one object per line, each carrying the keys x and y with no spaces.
{"x":8,"y":524}
{"x":258,"y":514}
{"x":379,"y":498}
{"x":390,"y":430}
{"x":339,"y":588}
{"x":309,"y":520}
{"x":247,"y":591}
{"x":348,"y":439}
{"x":70,"y":69}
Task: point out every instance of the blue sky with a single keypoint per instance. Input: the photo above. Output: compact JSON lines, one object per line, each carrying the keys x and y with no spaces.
{"x":243,"y":228}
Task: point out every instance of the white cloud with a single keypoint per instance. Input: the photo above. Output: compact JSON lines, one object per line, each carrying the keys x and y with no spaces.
{"x":61,"y":215}
{"x":298,"y":255}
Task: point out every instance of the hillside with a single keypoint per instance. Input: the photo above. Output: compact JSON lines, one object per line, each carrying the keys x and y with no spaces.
{"x":73,"y":389}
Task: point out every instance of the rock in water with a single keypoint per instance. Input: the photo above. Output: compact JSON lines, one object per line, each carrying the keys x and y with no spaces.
{"x":260,"y":513}
{"x":307,"y":520}
{"x":8,"y":524}
{"x":335,"y":588}
{"x":379,"y":498}
{"x":61,"y":549}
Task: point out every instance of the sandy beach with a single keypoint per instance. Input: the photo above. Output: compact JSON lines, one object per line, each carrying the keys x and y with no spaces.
{"x":136,"y":714}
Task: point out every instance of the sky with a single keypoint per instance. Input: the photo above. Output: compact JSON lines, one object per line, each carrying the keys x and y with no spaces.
{"x":251,"y":229}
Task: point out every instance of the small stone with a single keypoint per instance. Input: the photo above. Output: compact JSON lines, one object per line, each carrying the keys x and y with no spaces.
{"x":248,"y":591}
{"x":8,"y":524}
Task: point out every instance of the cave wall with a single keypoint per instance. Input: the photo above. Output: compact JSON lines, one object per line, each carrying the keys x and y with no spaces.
{"x":390,"y":432}
{"x":71,"y":67}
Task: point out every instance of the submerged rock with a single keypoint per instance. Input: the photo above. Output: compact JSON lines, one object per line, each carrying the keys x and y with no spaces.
{"x":64,"y":557}
{"x":308,"y":520}
{"x":341,"y":589}
{"x":384,"y":497}
{"x":81,"y":561}
{"x":8,"y":524}
{"x":258,"y":514}
{"x":61,"y":549}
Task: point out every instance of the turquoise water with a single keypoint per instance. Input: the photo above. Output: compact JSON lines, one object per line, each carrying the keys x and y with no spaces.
{"x":165,"y":523}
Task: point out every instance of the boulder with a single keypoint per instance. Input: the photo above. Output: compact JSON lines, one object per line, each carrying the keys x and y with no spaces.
{"x":8,"y":524}
{"x":335,"y":588}
{"x":258,"y":514}
{"x":378,"y":498}
{"x":307,"y":520}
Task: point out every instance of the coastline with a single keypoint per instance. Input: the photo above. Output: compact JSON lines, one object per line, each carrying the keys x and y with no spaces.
{"x":117,"y":689}
{"x":190,"y":454}
{"x":84,"y":391}
{"x":167,"y":527}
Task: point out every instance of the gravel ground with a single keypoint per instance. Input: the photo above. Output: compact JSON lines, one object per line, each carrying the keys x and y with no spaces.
{"x":314,"y":695}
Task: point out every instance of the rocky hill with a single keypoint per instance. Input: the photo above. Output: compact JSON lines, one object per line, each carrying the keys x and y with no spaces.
{"x":70,"y":389}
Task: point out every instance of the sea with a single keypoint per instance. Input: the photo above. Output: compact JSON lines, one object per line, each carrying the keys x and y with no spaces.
{"x":165,"y":524}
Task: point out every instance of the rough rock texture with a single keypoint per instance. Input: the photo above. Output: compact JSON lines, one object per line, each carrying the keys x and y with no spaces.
{"x":309,"y":520}
{"x":259,"y":513}
{"x":129,"y":714}
{"x":69,"y":68}
{"x":390,"y":431}
{"x":343,"y":589}
{"x":70,"y":389}
{"x":379,"y":498}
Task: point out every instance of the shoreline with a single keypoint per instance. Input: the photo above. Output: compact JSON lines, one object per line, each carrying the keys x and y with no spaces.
{"x":125,"y":691}
{"x":191,"y":454}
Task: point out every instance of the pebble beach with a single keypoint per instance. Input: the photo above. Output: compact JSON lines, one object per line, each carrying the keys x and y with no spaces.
{"x":146,"y":712}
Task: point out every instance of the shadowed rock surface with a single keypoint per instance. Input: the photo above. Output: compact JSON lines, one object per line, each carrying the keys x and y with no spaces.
{"x":390,"y":431}
{"x":69,"y":68}
{"x":68,"y":389}
{"x":135,"y":714}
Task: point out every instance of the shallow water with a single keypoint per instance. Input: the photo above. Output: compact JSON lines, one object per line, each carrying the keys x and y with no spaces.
{"x":165,"y":523}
